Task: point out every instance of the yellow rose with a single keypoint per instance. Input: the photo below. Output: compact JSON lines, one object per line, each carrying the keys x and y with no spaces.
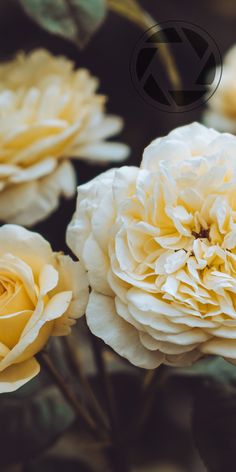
{"x":49,"y":113}
{"x":159,"y":245}
{"x":41,"y":295}
{"x":221,"y":111}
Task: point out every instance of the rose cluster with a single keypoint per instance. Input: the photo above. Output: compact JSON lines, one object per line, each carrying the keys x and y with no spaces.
{"x":155,"y":243}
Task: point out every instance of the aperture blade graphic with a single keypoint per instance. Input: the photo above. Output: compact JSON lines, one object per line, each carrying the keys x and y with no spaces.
{"x":192,"y":47}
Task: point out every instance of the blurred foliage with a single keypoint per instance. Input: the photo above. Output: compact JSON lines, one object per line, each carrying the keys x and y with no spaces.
{"x":32,"y":419}
{"x":133,"y":11}
{"x":212,"y":383}
{"x":208,"y":371}
{"x":214,"y":414}
{"x":75,"y":20}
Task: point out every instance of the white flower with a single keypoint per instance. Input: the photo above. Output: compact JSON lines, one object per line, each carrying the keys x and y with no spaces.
{"x":221,"y":111}
{"x":41,"y":295}
{"x":49,"y":113}
{"x":159,"y":245}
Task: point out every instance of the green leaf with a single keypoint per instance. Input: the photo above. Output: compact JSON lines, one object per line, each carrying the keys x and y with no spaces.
{"x":31,"y":421}
{"x":210,"y":370}
{"x":214,"y":426}
{"x":212,"y":382}
{"x":75,"y":20}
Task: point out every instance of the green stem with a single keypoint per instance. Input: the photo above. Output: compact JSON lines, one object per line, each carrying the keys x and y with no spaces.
{"x":76,"y":367}
{"x":116,"y":451}
{"x":69,"y":394}
{"x":105,"y":381}
{"x":146,"y":399}
{"x":132,"y":11}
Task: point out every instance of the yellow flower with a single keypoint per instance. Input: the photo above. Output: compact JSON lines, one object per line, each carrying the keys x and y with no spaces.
{"x":159,"y":245}
{"x":221,"y":112}
{"x":41,"y":295}
{"x":49,"y":113}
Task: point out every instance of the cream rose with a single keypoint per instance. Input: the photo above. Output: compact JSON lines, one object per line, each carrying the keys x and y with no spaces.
{"x":221,"y":108}
{"x":159,"y":245}
{"x":49,"y":113}
{"x":41,"y":295}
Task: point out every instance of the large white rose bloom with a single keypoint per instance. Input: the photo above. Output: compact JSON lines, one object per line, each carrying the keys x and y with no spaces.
{"x":221,"y":108}
{"x":49,"y":113}
{"x":159,"y":245}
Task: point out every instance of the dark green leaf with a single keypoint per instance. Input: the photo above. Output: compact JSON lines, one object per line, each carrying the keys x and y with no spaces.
{"x":212,"y":382}
{"x":75,"y":20}
{"x":214,"y":427}
{"x":210,"y":370}
{"x":31,"y":421}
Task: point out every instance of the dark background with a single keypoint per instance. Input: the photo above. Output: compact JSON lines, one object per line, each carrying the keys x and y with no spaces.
{"x":108,"y":57}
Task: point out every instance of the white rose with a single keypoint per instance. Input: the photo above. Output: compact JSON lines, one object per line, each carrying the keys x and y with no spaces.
{"x":221,"y":108}
{"x":159,"y":245}
{"x":41,"y":295}
{"x":49,"y":113}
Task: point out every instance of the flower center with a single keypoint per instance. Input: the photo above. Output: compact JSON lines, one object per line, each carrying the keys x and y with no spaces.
{"x":202,"y":234}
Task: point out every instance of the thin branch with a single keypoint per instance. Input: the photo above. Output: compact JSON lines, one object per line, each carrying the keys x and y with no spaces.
{"x":132,"y":11}
{"x":76,"y":367}
{"x":117,"y":458}
{"x":68,"y":393}
{"x":105,"y":381}
{"x":151,"y":379}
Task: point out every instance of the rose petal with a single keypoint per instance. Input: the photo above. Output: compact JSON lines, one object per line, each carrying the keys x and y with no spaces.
{"x":32,"y":248}
{"x":16,"y":376}
{"x":118,"y":334}
{"x":72,"y":277}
